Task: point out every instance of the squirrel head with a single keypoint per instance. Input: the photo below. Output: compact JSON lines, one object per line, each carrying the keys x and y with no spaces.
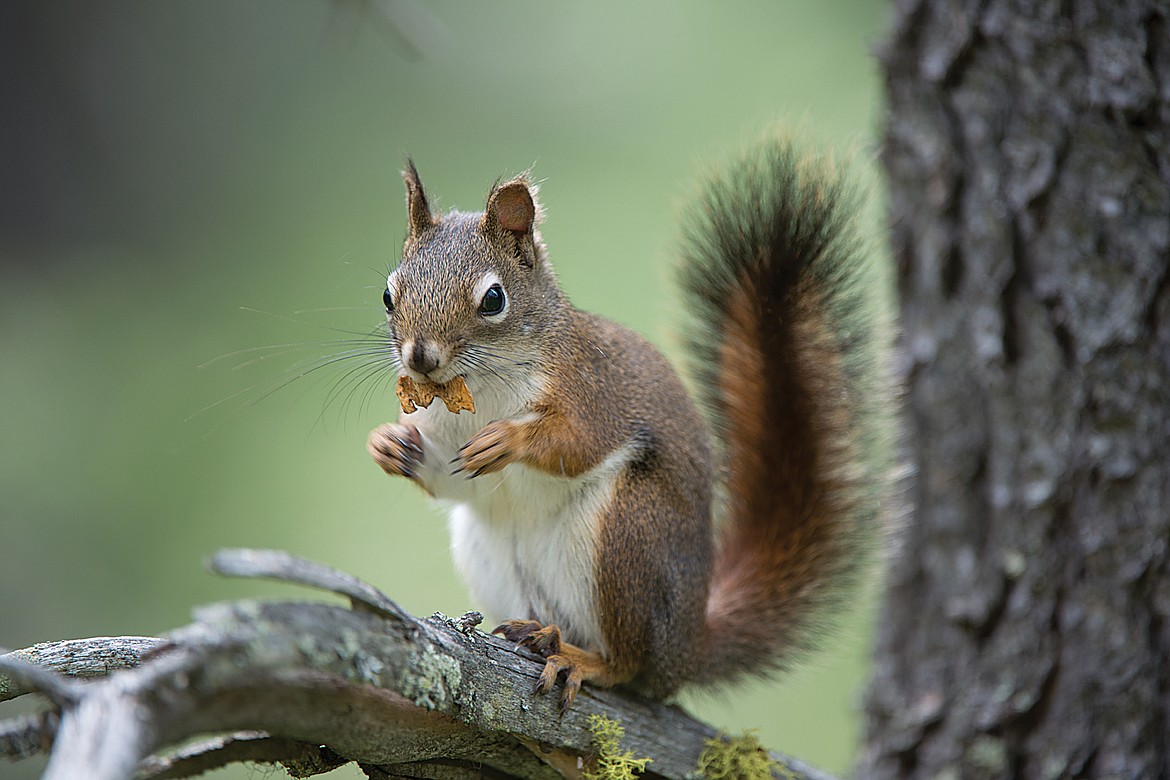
{"x":474,"y":294}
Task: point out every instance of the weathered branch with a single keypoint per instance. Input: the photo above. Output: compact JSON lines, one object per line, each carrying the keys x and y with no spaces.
{"x":301,"y":759}
{"x":375,"y":684}
{"x":81,"y":658}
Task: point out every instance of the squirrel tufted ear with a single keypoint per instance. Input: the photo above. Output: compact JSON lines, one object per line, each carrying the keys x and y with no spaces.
{"x":512,"y":206}
{"x":417,"y":209}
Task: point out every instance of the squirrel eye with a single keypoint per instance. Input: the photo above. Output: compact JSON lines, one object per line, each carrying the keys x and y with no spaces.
{"x":493,"y":301}
{"x":388,"y":299}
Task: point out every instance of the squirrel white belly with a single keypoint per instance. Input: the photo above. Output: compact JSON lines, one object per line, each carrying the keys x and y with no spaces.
{"x":522,"y":539}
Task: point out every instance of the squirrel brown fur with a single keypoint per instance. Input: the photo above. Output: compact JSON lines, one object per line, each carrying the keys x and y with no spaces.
{"x":582,"y":493}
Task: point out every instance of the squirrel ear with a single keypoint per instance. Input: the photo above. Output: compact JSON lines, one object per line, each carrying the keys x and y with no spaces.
{"x":511,"y":206}
{"x":417,"y":208}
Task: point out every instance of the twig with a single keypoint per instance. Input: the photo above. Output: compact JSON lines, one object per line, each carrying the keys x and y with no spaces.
{"x":80,"y":658}
{"x":279,"y":565}
{"x":301,"y":759}
{"x":19,"y":674}
{"x":27,"y":735}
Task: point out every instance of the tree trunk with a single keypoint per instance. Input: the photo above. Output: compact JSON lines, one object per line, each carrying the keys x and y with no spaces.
{"x":1026,"y":630}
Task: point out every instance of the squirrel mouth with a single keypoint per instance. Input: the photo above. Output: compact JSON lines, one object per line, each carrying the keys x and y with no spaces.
{"x":439,"y":376}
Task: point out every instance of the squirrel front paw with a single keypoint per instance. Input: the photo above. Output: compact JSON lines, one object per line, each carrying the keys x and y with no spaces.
{"x":497,"y":445}
{"x":397,"y":449}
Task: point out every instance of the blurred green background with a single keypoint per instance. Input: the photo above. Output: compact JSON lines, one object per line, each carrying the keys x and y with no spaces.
{"x":185,"y":184}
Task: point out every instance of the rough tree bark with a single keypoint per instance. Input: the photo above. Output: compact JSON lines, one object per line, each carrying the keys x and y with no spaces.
{"x":1028,"y":155}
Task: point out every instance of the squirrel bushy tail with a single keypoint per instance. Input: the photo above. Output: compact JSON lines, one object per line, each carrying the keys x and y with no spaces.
{"x":785,"y":349}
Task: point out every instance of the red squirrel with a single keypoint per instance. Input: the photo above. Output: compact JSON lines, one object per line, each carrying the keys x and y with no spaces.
{"x":587,"y":504}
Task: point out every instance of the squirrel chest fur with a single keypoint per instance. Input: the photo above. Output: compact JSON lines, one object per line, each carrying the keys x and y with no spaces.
{"x":526,"y":540}
{"x":580,"y":490}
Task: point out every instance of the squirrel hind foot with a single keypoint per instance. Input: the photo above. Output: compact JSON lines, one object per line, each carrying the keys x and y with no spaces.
{"x":577,"y":665}
{"x":541,"y":639}
{"x":574,"y":675}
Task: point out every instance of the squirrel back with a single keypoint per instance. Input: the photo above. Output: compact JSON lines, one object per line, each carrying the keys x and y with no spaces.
{"x":785,"y":347}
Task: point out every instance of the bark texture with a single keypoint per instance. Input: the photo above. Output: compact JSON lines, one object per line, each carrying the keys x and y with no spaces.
{"x":1028,"y":155}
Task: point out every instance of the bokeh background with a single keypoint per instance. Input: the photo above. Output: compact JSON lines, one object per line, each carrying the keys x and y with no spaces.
{"x":198,"y":197}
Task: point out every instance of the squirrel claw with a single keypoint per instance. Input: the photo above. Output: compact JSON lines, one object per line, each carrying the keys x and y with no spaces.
{"x":554,"y":665}
{"x":490,"y":450}
{"x":397,"y":449}
{"x":517,"y":630}
{"x":548,"y":677}
{"x":546,"y":641}
{"x":572,"y":687}
{"x":541,"y":639}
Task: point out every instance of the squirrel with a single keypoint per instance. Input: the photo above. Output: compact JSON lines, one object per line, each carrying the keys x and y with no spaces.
{"x":584,"y":491}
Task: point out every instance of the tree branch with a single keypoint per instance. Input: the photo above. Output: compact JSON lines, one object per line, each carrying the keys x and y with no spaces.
{"x":81,"y":658}
{"x":412,"y":697}
{"x":301,"y":759}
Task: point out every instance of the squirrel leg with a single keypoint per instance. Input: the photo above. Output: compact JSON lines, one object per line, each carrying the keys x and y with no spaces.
{"x":546,"y":439}
{"x":578,"y":665}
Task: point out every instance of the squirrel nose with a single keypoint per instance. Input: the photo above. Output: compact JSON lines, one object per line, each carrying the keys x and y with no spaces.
{"x":421,"y":356}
